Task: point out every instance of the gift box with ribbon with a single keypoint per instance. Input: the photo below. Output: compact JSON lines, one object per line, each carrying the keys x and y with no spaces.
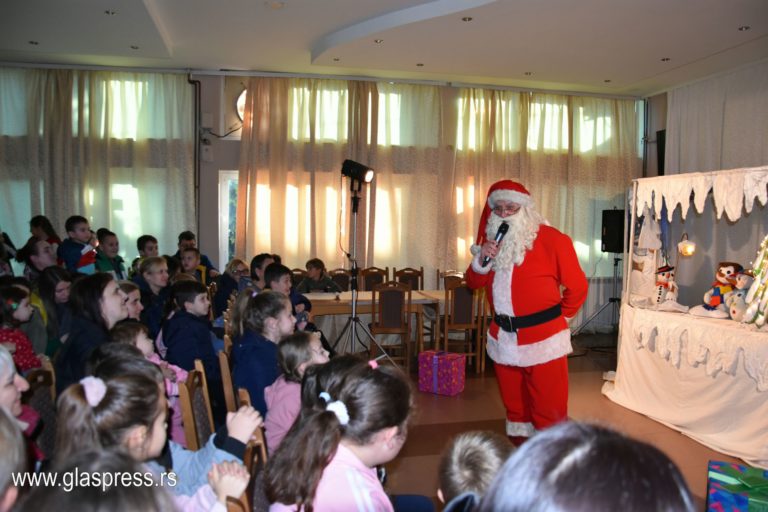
{"x":736,"y":488}
{"x":441,"y":372}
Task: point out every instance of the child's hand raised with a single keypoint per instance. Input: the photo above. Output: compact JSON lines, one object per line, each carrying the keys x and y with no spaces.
{"x":228,"y":479}
{"x":242,"y":424}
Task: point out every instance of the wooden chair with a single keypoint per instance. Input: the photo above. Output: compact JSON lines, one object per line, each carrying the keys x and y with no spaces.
{"x":226,"y":379}
{"x":441,"y":276}
{"x":41,"y":396}
{"x":391,"y":314}
{"x":196,"y":408}
{"x":259,"y":443}
{"x":341,"y":277}
{"x":372,"y":276}
{"x":462,"y":313}
{"x":212,"y":288}
{"x":255,"y":460}
{"x":412,"y":276}
{"x":297,"y":276}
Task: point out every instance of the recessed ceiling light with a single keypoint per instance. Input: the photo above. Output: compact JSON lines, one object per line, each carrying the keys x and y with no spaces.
{"x":134,"y":47}
{"x":378,"y":41}
{"x":528,"y":73}
{"x":274,"y":5}
{"x":466,"y":18}
{"x":33,"y":43}
{"x":110,"y":12}
{"x":665,"y":59}
{"x":607,"y":81}
{"x":744,"y":28}
{"x":420,"y":64}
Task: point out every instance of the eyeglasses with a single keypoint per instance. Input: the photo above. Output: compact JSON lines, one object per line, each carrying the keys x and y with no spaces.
{"x":242,"y":271}
{"x":505,"y":211}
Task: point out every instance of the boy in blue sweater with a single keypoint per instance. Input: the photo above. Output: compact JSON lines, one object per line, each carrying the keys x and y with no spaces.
{"x":78,"y":252}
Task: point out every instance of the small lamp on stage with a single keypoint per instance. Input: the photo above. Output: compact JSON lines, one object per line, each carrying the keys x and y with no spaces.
{"x":686,"y":247}
{"x":357,"y":173}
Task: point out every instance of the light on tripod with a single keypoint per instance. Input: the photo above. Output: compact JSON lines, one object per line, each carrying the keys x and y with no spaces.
{"x":686,"y":247}
{"x":357,"y":172}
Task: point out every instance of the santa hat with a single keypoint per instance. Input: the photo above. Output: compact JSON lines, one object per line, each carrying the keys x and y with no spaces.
{"x":504,"y":190}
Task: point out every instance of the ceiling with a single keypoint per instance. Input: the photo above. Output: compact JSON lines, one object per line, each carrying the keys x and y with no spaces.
{"x":610,"y":47}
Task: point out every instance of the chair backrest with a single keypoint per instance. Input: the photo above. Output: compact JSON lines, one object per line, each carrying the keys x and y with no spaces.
{"x":196,"y":408}
{"x":391,"y":304}
{"x":460,"y":305}
{"x":297,"y":276}
{"x":372,"y":276}
{"x":257,"y":442}
{"x":228,"y":344}
{"x":412,"y":276}
{"x":442,"y":276}
{"x":255,"y":460}
{"x":341,"y":277}
{"x":226,"y":381}
{"x":41,"y":396}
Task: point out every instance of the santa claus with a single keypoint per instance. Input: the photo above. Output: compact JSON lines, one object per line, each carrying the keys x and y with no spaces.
{"x":534,"y":284}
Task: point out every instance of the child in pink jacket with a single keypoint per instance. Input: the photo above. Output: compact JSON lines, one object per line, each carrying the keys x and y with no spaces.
{"x":294,"y":354}
{"x":137,"y":334}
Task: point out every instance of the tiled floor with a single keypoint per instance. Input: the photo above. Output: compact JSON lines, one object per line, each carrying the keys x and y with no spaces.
{"x":437,"y":419}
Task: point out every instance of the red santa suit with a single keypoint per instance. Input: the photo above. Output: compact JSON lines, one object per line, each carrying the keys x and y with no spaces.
{"x":529,"y":339}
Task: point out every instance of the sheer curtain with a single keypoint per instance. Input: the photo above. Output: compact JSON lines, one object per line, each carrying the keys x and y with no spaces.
{"x":117,"y":148}
{"x":436,"y":150}
{"x":719,"y":123}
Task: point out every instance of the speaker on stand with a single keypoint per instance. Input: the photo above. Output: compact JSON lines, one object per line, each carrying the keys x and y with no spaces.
{"x":612,"y":240}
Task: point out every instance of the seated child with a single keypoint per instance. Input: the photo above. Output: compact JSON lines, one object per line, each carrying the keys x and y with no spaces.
{"x":468,"y":466}
{"x":187,"y":239}
{"x":352,"y":426}
{"x":294,"y":354}
{"x":187,"y":336}
{"x":267,"y":320}
{"x":317,"y":280}
{"x":78,"y":252}
{"x":14,"y":311}
{"x":137,"y":334}
{"x":576,"y":466}
{"x":190,"y":265}
{"x":107,"y":258}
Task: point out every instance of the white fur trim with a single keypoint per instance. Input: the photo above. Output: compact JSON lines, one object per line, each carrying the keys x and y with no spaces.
{"x":520,"y":429}
{"x":505,"y":350}
{"x":477,"y":267}
{"x":509,"y":195}
{"x":502,"y":291}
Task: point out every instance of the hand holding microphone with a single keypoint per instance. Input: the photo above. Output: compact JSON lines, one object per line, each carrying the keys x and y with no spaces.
{"x":502,"y":231}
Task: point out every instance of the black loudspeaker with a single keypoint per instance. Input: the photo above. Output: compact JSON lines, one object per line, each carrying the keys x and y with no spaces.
{"x":613,"y":231}
{"x":661,"y":146}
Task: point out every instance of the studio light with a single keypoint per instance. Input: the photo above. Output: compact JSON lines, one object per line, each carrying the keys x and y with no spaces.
{"x":356,"y":171}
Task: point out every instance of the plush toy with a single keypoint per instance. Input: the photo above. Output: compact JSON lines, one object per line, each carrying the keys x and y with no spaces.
{"x":666,"y":291}
{"x":735,"y":301}
{"x":714,"y":300}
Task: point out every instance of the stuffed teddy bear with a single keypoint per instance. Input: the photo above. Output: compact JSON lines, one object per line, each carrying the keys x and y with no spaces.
{"x":714,"y":299}
{"x":735,"y":301}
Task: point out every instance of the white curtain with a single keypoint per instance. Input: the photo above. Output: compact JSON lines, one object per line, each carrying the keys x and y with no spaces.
{"x":115,"y":147}
{"x":719,"y":123}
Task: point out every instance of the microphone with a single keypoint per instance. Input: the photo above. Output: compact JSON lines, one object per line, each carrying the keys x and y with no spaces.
{"x":499,"y":237}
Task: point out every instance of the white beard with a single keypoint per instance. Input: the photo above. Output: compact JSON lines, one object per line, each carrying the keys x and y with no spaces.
{"x":523,"y":228}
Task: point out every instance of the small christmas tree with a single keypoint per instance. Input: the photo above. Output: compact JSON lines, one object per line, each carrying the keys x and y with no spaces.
{"x":757,"y":297}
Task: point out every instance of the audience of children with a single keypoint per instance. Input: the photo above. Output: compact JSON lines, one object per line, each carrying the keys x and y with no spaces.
{"x":37,"y":255}
{"x":153,"y":283}
{"x":41,"y":228}
{"x":107,"y":258}
{"x":468,"y":466}
{"x":578,"y":467}
{"x":78,"y":252}
{"x":35,"y":327}
{"x":283,"y":398}
{"x":227,"y":284}
{"x":317,"y":279}
{"x":14,"y":311}
{"x":97,"y":305}
{"x":267,"y":319}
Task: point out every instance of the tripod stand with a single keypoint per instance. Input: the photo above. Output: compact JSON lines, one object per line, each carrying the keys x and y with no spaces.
{"x":354,"y":325}
{"x":614,"y":300}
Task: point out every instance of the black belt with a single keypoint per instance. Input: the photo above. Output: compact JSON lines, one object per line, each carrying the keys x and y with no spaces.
{"x":513,"y":323}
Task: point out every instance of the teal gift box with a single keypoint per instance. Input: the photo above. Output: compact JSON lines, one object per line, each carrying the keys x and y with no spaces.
{"x":736,"y":488}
